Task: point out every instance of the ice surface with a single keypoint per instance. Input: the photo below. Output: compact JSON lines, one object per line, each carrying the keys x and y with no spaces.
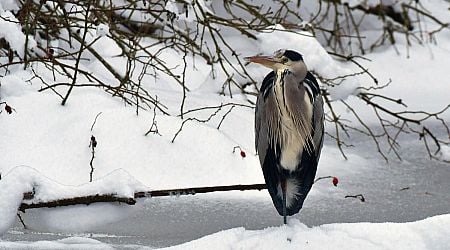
{"x":80,"y":218}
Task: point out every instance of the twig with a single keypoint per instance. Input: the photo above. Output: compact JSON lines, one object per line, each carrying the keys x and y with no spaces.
{"x":323,"y":177}
{"x":95,"y":120}
{"x":21,"y":221}
{"x":358,"y":196}
{"x":197,"y":120}
{"x":223,"y":117}
{"x":337,"y":126}
{"x":92,"y":145}
{"x":154,"y":124}
{"x":82,"y":44}
{"x":215,"y":107}
{"x":184,"y":83}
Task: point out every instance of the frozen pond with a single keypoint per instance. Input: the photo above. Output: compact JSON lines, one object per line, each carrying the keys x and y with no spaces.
{"x":413,"y":189}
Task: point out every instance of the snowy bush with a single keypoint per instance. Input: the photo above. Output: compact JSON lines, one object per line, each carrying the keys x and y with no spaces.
{"x":129,"y":47}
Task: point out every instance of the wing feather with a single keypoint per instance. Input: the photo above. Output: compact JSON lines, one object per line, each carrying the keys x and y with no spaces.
{"x":261,"y":125}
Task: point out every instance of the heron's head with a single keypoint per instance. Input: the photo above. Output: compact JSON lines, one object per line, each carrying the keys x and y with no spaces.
{"x":280,"y":60}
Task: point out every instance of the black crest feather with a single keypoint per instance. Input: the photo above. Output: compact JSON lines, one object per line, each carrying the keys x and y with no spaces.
{"x":293,"y":56}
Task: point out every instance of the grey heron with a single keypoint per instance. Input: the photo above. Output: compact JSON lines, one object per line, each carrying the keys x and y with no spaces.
{"x":289,"y":129}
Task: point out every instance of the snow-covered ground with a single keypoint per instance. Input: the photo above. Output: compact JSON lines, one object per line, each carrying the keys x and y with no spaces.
{"x":45,"y":146}
{"x":431,"y":233}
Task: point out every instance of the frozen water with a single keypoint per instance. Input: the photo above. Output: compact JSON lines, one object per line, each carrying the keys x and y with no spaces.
{"x":406,"y":191}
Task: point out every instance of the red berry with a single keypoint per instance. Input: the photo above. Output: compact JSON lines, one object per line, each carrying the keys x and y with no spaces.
{"x":335,"y":181}
{"x":243,"y":154}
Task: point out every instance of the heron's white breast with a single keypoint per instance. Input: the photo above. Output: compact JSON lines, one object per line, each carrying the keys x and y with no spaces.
{"x":291,"y":140}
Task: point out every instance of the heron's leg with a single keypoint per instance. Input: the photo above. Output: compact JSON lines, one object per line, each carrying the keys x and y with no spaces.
{"x":283,"y":190}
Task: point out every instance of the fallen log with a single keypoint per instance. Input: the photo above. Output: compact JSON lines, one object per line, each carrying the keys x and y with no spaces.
{"x":83,"y":200}
{"x":96,"y":198}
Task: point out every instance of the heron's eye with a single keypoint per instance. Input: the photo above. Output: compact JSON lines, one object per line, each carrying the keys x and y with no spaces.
{"x":284,"y":60}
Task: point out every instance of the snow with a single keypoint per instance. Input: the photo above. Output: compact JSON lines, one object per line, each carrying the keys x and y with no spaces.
{"x":24,"y":179}
{"x":102,"y":29}
{"x":444,"y":154}
{"x":11,"y":31}
{"x":10,"y":5}
{"x":67,"y":243}
{"x":45,"y":146}
{"x":431,"y":233}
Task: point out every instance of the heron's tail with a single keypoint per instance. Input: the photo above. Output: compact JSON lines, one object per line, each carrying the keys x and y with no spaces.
{"x":298,"y":183}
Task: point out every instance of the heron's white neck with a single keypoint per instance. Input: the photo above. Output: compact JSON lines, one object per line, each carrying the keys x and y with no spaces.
{"x":298,"y":69}
{"x":294,"y":129}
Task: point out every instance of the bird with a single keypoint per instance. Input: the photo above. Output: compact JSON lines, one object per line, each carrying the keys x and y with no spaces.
{"x":289,"y":129}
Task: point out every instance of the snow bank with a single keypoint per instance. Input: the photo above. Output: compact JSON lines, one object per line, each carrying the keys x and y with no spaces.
{"x":48,"y":136}
{"x":25,"y":179}
{"x":67,"y":243}
{"x":431,"y":233}
{"x":12,"y":188}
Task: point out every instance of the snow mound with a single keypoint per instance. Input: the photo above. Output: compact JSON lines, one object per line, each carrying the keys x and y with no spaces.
{"x":67,"y":243}
{"x":431,"y":233}
{"x":26,"y":179}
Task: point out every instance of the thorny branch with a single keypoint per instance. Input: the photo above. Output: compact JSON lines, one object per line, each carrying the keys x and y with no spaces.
{"x":92,"y":145}
{"x":198,"y":120}
{"x":154,"y":127}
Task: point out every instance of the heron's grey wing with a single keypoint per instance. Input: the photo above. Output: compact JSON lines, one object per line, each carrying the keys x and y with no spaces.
{"x":318,"y":125}
{"x":317,"y":113}
{"x":261,"y":123}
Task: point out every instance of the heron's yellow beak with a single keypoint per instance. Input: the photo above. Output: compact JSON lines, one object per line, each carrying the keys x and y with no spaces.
{"x":267,"y":61}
